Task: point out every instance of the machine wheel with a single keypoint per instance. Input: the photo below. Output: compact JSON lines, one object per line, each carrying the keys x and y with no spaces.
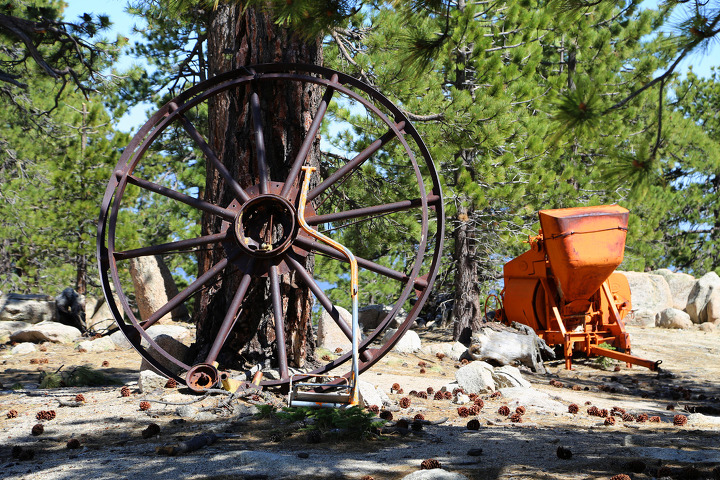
{"x":387,"y":189}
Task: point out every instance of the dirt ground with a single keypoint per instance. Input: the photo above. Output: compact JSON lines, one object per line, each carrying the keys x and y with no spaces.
{"x":109,"y":427}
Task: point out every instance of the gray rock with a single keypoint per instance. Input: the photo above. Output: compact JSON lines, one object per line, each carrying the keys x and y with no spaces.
{"x":149,"y":381}
{"x":154,"y":287}
{"x":178,"y":332}
{"x":698,"y":419}
{"x":15,"y":307}
{"x":476,"y":377}
{"x":371,"y":316}
{"x":98,"y":315}
{"x":171,"y":345}
{"x":674,"y":318}
{"x":700,"y":296}
{"x":46,"y":332}
{"x":23,"y":348}
{"x":680,"y":286}
{"x":508,"y":376}
{"x":186,"y":411}
{"x":12,"y":327}
{"x":244,"y":409}
{"x":372,"y":395}
{"x":711,"y":312}
{"x":707,"y":327}
{"x":103,"y":344}
{"x":453,"y":350}
{"x":641,"y":317}
{"x":329,"y":335}
{"x":408,"y":343}
{"x":529,"y":397}
{"x":434,"y":474}
{"x":650,"y":295}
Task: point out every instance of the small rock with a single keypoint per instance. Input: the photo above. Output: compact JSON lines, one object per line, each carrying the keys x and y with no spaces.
{"x":476,"y":377}
{"x":47,"y":332}
{"x":461,"y":399}
{"x":434,"y":474}
{"x":186,"y":411}
{"x":707,"y":327}
{"x":23,"y":348}
{"x":103,"y":344}
{"x":509,"y":376}
{"x":408,"y":343}
{"x":372,"y":395}
{"x":475,"y":452}
{"x":149,"y":381}
{"x":674,"y":318}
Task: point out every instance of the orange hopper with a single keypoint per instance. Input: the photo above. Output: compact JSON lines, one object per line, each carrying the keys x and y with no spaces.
{"x":565,"y":287}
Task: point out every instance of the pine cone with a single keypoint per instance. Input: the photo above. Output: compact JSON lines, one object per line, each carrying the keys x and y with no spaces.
{"x":38,"y":429}
{"x":80,"y":398}
{"x":473,"y":424}
{"x":610,"y":421}
{"x":679,"y":420}
{"x":125,"y":392}
{"x":573,"y":408}
{"x":12,"y":414}
{"x":144,"y":406}
{"x":404,"y":402}
{"x":73,"y":444}
{"x":429,"y":464}
{"x":419,"y":416}
{"x":504,"y":411}
{"x":463,"y":412}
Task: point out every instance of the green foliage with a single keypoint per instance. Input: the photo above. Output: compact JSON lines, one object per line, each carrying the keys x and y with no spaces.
{"x":352,"y":422}
{"x":605,"y":362}
{"x":265,"y":410}
{"x":80,"y":376}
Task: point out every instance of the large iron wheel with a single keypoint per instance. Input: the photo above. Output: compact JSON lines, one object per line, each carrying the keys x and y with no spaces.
{"x":387,"y":188}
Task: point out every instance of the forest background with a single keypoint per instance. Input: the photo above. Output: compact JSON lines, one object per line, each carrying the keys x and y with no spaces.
{"x":524,"y":105}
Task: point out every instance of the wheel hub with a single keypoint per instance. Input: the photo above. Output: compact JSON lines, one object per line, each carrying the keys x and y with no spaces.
{"x":265,"y":226}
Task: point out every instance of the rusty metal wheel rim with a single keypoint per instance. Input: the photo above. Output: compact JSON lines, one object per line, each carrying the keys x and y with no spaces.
{"x":398,"y":128}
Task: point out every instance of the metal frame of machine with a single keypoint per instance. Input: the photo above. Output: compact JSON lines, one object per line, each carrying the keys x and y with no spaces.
{"x":565,"y":287}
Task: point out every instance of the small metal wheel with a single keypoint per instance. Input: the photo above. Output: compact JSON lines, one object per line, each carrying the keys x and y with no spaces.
{"x":378,"y":187}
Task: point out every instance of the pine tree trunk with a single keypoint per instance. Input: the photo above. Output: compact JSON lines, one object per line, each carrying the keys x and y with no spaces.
{"x":466,"y":309}
{"x":238,"y":38}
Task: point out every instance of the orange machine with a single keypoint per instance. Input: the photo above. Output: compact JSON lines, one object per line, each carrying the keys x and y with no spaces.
{"x":565,"y":287}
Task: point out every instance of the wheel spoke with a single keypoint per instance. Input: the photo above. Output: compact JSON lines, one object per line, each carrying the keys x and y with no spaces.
{"x":320,"y":295}
{"x":185,"y":294}
{"x":260,"y":156}
{"x":419,"y":283}
{"x":279,"y":322}
{"x":222,"y":169}
{"x":309,"y":139}
{"x":230,"y":318}
{"x":181,"y":197}
{"x":171,"y":246}
{"x":359,"y":159}
{"x":376,"y":211}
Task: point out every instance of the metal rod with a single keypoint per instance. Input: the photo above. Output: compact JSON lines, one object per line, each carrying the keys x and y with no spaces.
{"x":222,"y":169}
{"x":171,"y":246}
{"x":322,"y":298}
{"x":419,"y":283}
{"x":374,"y":210}
{"x":182,"y":296}
{"x":262,"y":166}
{"x":230,"y":317}
{"x":181,"y":197}
{"x":359,"y":159}
{"x":353,"y":278}
{"x":309,"y":139}
{"x":279,"y":321}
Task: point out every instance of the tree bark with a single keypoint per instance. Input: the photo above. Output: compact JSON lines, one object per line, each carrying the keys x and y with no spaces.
{"x":466,"y":309}
{"x":238,"y":38}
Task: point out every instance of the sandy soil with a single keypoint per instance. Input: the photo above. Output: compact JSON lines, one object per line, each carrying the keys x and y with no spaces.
{"x":109,"y":426}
